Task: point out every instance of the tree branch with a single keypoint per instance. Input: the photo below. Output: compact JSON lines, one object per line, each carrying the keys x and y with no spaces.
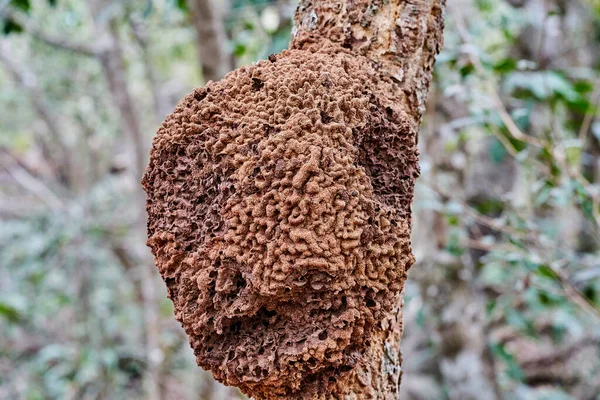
{"x":53,"y":40}
{"x":62,"y":159}
{"x":29,"y":182}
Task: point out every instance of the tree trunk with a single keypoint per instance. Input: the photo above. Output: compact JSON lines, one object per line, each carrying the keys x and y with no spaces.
{"x":403,"y":37}
{"x":279,"y":203}
{"x":113,"y":65}
{"x":215,"y":60}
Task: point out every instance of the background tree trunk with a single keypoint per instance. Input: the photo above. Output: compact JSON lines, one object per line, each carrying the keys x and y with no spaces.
{"x":207,"y":18}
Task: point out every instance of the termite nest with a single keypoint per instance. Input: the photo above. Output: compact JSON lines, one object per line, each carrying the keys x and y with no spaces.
{"x":279,"y":217}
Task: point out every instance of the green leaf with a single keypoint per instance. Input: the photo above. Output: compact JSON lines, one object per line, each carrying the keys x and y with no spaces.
{"x":548,"y":299}
{"x":182,"y":5}
{"x":505,"y":66}
{"x":546,"y":85}
{"x":148,"y":9}
{"x":519,"y":321}
{"x":546,"y":271}
{"x":239,"y":49}
{"x":591,"y":294}
{"x":513,"y":369}
{"x":10,"y":312}
{"x":22,"y":4}
{"x":490,"y":307}
{"x":467,"y":70}
{"x":11,"y":26}
{"x":490,"y":206}
{"x":485,"y":5}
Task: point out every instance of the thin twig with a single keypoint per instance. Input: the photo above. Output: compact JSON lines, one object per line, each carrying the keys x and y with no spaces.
{"x":33,"y":185}
{"x":560,"y":354}
{"x":480,"y":218}
{"x":517,"y":133}
{"x":507,"y":120}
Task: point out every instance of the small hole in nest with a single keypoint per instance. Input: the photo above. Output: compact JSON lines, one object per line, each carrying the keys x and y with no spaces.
{"x":200,"y":95}
{"x":323,"y":335}
{"x":270,"y":313}
{"x":325,"y":118}
{"x":235,"y":327}
{"x":257,"y":84}
{"x":170,"y":281}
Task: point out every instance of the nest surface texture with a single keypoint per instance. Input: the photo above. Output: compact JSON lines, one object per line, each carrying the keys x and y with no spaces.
{"x":279,"y":206}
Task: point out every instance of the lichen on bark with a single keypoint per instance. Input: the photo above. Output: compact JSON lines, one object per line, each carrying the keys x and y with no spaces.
{"x":279,"y":203}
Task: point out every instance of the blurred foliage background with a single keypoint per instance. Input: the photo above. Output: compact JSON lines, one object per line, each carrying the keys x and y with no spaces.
{"x":504,"y":301}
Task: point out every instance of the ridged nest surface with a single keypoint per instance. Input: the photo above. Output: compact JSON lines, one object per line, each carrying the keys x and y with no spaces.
{"x":279,"y":217}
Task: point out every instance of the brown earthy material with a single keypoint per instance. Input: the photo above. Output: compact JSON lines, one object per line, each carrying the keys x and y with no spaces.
{"x":279,"y":203}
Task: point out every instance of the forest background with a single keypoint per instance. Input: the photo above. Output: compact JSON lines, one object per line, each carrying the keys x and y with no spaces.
{"x":504,"y":300}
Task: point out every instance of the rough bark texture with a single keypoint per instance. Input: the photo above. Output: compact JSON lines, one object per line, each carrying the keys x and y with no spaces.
{"x":402,"y":38}
{"x":279,"y":204}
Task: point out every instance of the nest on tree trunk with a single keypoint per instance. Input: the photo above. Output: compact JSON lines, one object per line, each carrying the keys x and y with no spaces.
{"x":279,"y":217}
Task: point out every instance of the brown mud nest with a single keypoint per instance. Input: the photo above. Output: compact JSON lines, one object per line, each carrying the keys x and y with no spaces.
{"x":279,"y":217}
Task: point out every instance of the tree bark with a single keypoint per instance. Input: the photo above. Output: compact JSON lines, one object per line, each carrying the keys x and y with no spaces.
{"x":402,"y":37}
{"x":267,"y":308}
{"x":215,"y":60}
